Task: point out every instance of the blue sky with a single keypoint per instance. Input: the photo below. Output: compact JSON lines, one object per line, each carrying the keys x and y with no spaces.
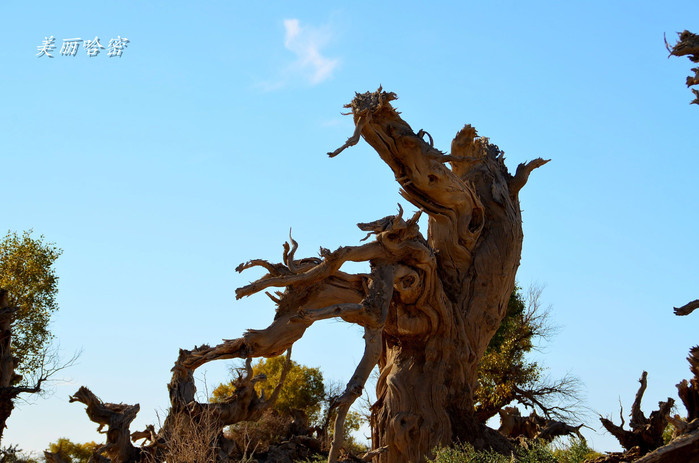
{"x":160,"y":171}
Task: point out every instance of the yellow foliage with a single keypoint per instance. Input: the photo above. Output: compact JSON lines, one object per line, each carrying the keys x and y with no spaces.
{"x":26,"y":272}
{"x":303,"y":388}
{"x":72,"y":452}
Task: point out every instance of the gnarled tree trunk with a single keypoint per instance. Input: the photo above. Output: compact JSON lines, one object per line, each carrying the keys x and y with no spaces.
{"x":447,"y":294}
{"x":429,"y":307}
{"x":10,"y":386}
{"x":432,"y":344}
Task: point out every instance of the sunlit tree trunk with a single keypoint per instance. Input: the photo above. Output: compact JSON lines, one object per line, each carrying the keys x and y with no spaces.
{"x":429,"y":306}
{"x":433,"y":342}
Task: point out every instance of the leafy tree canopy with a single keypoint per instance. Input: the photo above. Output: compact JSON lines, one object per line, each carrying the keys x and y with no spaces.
{"x":72,"y":452}
{"x":26,"y":271}
{"x":504,"y":366}
{"x":303,"y":388}
{"x":505,"y":374}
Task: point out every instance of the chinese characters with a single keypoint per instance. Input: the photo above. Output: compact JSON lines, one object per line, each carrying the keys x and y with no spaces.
{"x":92,"y":48}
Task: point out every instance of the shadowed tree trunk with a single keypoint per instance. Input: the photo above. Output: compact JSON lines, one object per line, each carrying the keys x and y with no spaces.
{"x":7,"y":361}
{"x":10,"y":386}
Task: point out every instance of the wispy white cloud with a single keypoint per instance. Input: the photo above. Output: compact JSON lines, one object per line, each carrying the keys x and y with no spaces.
{"x":306,"y":43}
{"x":310,"y":64}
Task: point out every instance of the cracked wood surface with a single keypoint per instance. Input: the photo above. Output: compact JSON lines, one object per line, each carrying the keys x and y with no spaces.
{"x":429,"y":307}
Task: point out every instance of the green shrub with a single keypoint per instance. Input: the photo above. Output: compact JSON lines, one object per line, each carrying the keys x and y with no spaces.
{"x":465,"y":453}
{"x":314,"y":459}
{"x":576,"y":451}
{"x":538,"y":453}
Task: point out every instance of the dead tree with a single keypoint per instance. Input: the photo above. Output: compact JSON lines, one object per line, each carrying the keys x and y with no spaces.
{"x":192,"y":431}
{"x":117,"y":418}
{"x":430,"y":305}
{"x":688,"y":45}
{"x":644,"y":443}
{"x":646,"y":434}
{"x":685,"y":443}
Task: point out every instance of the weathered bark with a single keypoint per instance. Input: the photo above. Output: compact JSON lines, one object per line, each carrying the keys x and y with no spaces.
{"x":429,"y":307}
{"x":684,"y":448}
{"x":646,"y":434}
{"x":618,"y":457}
{"x":687,"y":308}
{"x":319,"y":291}
{"x":117,"y":418}
{"x":451,"y":289}
{"x":380,"y":294}
{"x":688,"y":45}
{"x":689,"y":390}
{"x":191,"y":431}
{"x":432,"y":344}
{"x":514,"y":425}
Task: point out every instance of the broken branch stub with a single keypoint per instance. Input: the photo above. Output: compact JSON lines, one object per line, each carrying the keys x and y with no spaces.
{"x":687,"y":308}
